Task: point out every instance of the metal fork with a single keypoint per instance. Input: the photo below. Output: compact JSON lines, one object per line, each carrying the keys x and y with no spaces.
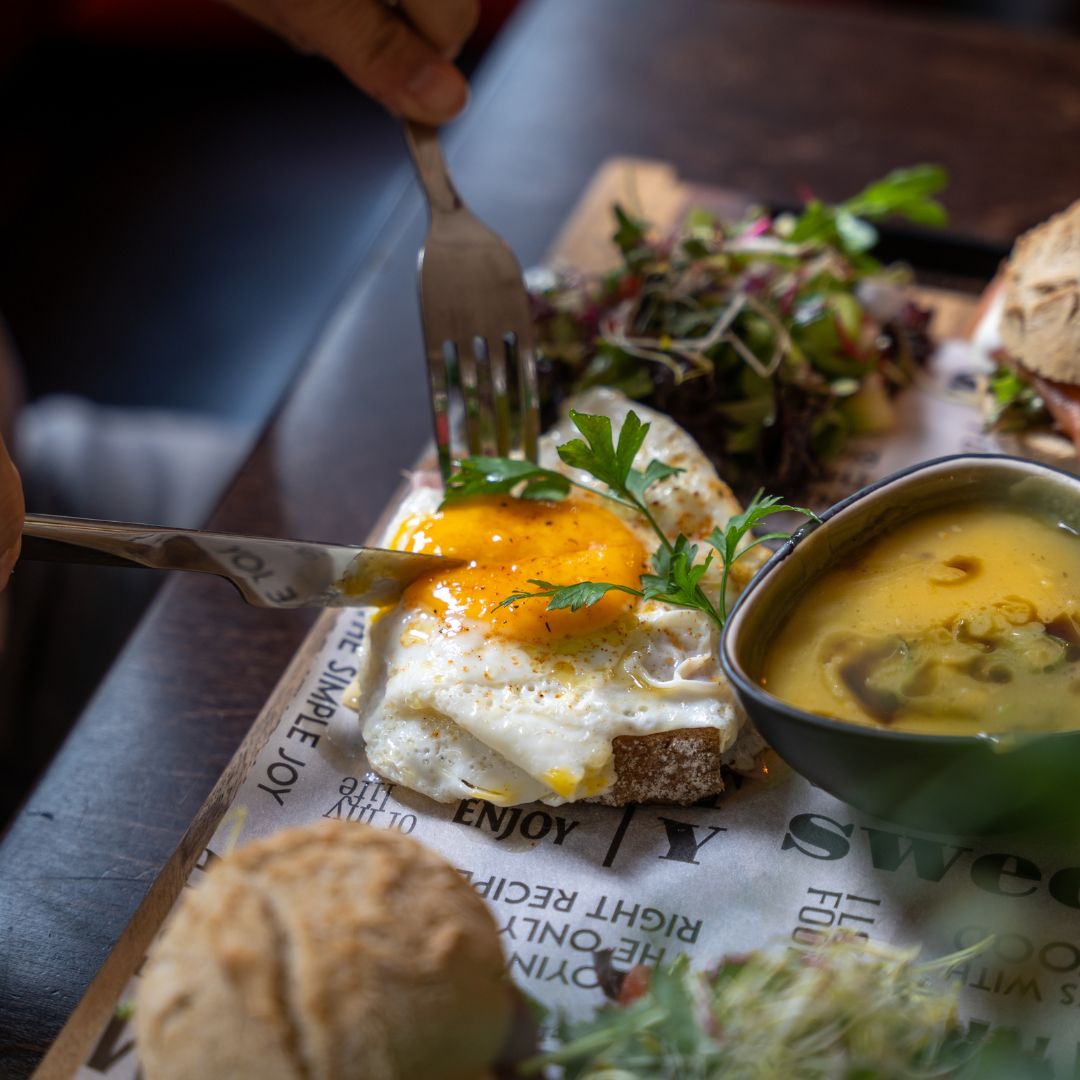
{"x":477,"y":323}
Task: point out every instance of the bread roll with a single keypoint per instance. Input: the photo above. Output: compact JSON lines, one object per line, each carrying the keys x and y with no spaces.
{"x":332,"y":952}
{"x":1040,"y":327}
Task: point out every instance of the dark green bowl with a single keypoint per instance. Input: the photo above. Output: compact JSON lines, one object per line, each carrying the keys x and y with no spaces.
{"x":941,"y":783}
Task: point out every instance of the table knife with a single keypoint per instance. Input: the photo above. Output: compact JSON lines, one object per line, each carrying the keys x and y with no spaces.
{"x":267,"y":572}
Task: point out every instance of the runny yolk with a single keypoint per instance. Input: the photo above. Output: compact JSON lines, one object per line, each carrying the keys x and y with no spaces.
{"x":508,"y":541}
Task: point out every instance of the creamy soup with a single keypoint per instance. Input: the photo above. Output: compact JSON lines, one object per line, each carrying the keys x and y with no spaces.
{"x":957,"y":622}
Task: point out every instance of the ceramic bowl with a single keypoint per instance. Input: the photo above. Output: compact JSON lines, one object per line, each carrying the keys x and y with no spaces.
{"x":942,"y":783}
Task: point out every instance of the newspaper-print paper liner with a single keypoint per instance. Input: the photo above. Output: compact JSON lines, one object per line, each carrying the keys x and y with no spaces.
{"x":776,"y":859}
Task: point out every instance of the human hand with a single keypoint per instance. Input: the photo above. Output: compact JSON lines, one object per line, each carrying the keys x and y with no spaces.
{"x":399,"y":54}
{"x":11,"y":514}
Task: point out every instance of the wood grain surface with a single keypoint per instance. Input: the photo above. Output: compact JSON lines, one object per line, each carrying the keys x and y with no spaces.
{"x":752,"y":95}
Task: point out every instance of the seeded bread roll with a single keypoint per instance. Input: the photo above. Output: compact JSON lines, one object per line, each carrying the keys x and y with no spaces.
{"x":1040,"y":327}
{"x":330,"y":952}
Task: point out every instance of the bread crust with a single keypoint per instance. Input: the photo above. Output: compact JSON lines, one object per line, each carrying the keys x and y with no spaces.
{"x":678,"y":767}
{"x":312,"y":953}
{"x":1040,"y":324}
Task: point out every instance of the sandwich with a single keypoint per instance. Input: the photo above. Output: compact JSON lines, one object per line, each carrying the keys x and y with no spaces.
{"x":568,"y":660}
{"x":334,"y":950}
{"x":1030,"y":329}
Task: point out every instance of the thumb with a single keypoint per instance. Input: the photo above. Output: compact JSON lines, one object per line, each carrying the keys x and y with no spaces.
{"x":380,"y":52}
{"x":375,"y":48}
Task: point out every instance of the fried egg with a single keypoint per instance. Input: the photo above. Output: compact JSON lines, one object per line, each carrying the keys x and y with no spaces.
{"x":460,"y":697}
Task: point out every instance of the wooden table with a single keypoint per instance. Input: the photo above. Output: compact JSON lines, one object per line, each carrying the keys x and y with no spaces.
{"x":757,"y":96}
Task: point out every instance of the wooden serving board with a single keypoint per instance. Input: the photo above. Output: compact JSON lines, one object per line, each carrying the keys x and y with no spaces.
{"x":652,"y":190}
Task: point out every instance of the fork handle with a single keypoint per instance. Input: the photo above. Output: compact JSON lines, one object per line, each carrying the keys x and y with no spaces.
{"x":427,"y":155}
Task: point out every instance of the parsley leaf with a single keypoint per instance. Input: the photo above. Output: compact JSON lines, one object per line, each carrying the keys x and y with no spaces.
{"x":613,"y":464}
{"x":574,"y":597}
{"x":678,"y":576}
{"x":598,"y":455}
{"x":637,"y":483}
{"x":501,"y":476}
{"x":726,"y":541}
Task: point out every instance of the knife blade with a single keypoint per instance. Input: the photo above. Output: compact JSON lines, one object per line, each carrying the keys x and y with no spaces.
{"x":267,"y":572}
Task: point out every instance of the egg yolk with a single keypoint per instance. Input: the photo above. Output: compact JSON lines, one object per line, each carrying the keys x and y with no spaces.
{"x":508,"y":541}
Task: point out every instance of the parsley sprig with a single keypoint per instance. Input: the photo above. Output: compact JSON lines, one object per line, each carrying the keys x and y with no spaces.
{"x":677,"y":569}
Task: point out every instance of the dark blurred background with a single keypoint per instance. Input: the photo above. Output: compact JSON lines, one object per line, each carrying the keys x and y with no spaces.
{"x":182,"y":200}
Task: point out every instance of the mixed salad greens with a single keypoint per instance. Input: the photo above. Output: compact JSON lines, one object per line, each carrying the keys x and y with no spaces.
{"x":843,"y":1009}
{"x":771,"y":339}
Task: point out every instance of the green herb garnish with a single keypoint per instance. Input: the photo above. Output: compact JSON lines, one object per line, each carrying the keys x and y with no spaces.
{"x":904,"y":192}
{"x":1016,"y":404}
{"x":677,"y":569}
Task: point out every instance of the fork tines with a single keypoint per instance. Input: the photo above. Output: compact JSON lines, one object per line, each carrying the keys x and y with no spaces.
{"x":477,"y":418}
{"x":477,"y":325}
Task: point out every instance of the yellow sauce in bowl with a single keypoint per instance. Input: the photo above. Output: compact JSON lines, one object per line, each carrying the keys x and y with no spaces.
{"x":955,"y":623}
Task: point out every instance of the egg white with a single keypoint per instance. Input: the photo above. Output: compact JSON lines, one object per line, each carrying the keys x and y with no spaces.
{"x":474,"y":715}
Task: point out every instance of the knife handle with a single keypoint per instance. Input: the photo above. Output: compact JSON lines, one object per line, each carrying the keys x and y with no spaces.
{"x":97,"y":543}
{"x":267,"y":571}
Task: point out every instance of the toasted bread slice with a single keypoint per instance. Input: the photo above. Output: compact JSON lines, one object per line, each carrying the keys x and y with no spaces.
{"x":654,"y":693}
{"x":679,"y":767}
{"x":1040,"y":326}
